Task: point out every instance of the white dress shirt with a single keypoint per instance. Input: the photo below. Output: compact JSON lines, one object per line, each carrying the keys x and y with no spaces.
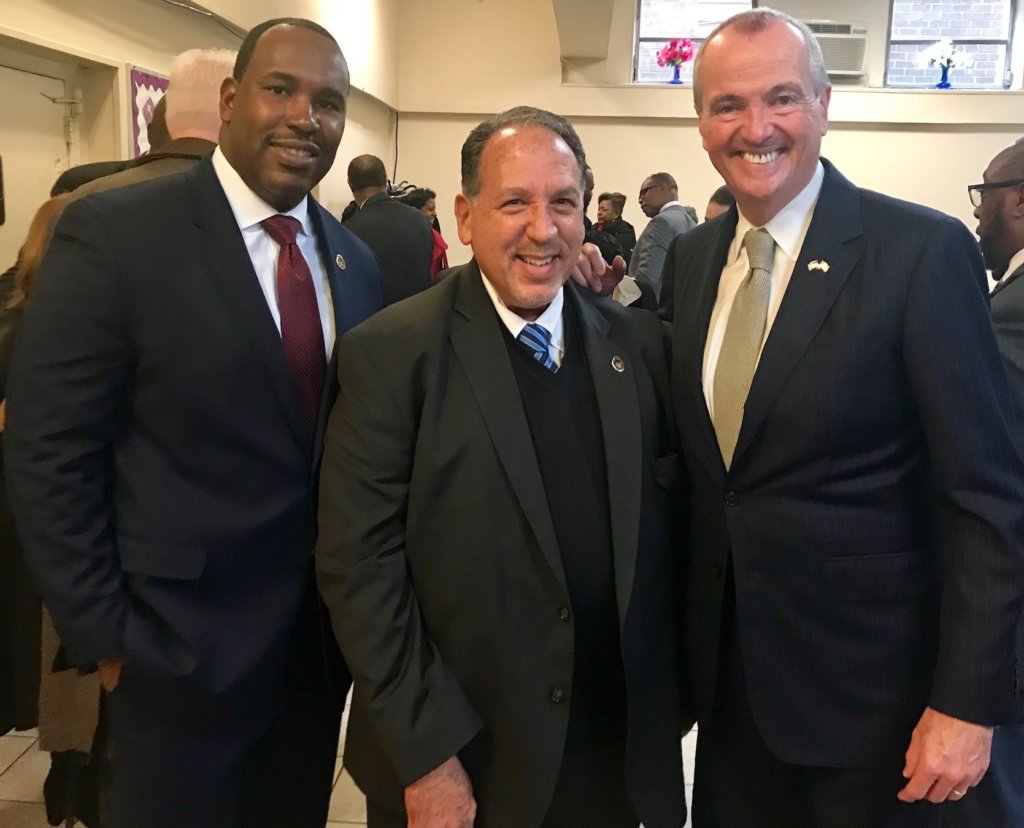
{"x":788,"y":228}
{"x":249,"y":210}
{"x":551,"y":320}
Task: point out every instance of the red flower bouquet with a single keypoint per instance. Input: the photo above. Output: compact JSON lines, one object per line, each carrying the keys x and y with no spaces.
{"x":676,"y":52}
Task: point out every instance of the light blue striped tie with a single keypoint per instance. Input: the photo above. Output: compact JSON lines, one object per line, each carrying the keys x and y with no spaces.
{"x":538,"y":339}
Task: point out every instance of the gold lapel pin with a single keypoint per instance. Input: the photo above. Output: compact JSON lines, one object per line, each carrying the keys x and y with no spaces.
{"x":818,"y":264}
{"x":618,"y":364}
{"x":341,"y":261}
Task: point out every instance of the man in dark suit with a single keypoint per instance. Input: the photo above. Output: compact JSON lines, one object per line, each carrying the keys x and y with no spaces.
{"x":497,"y":505}
{"x":398,"y":235}
{"x":165,"y":416}
{"x":855,"y":520}
{"x":999,"y":208}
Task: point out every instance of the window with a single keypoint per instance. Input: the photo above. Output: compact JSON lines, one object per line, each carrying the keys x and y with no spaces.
{"x":982,"y":29}
{"x":658,"y":21}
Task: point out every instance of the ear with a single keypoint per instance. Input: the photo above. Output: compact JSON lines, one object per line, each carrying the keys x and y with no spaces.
{"x":228,"y":90}
{"x":823,"y":102}
{"x":463,"y":217}
{"x":1017,"y":202}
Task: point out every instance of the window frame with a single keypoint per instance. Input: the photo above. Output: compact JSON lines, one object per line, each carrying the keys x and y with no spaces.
{"x":966,"y":41}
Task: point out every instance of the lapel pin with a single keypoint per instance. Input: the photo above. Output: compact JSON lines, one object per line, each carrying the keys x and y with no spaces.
{"x":618,"y":364}
{"x":818,"y":264}
{"x":340,"y":261}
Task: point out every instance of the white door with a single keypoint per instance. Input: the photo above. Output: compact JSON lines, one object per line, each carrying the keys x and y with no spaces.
{"x":32,"y":149}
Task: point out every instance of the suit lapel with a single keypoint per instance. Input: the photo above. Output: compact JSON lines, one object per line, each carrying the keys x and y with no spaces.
{"x":228,"y":261}
{"x":481,"y":351}
{"x":690,"y":324}
{"x":834,"y":236}
{"x":619,"y":409}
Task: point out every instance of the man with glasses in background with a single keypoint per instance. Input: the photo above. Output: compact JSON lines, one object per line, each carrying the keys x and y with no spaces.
{"x":659,"y":200}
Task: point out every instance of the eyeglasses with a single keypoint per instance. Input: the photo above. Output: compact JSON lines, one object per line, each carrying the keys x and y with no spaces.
{"x":648,"y":187}
{"x":977,"y":191}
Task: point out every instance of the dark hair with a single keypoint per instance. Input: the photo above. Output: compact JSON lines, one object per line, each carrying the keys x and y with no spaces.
{"x":753,"y":22}
{"x":618,"y":201}
{"x":723,"y":195}
{"x":664,"y":179}
{"x":418,"y":197}
{"x":256,"y":32}
{"x":366,"y":171}
{"x":520,"y":116}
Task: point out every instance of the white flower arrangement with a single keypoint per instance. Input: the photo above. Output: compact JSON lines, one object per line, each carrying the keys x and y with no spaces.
{"x":945,"y":53}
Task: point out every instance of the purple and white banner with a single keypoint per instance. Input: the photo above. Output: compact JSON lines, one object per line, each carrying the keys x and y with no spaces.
{"x":147,"y":89}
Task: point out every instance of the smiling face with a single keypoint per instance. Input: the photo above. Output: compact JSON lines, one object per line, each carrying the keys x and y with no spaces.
{"x":525,"y":224}
{"x":760,"y":119}
{"x":282,"y":121}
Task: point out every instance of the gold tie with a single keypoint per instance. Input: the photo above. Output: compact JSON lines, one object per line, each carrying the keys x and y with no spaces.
{"x":744,"y":333}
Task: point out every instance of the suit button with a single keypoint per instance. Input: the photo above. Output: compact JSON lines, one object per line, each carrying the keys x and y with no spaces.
{"x":731,"y":499}
{"x":557,"y":694}
{"x":564,"y":613}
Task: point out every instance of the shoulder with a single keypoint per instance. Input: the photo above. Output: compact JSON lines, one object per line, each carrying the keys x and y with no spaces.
{"x":413,"y":322}
{"x":629,"y":326}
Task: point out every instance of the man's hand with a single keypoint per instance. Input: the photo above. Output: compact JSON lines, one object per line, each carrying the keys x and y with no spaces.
{"x":593,"y":272}
{"x":441,"y":799}
{"x":946,"y":757}
{"x":109,"y":673}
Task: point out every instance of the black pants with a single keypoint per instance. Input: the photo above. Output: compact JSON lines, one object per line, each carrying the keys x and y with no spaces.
{"x":179,"y":759}
{"x":740,"y":783}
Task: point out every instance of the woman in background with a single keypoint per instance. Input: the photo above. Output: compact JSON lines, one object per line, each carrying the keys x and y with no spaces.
{"x":425,"y":200}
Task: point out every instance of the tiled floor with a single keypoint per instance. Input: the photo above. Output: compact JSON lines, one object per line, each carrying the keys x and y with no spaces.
{"x":23,"y":768}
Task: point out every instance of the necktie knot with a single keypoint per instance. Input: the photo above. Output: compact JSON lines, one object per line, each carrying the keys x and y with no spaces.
{"x":760,"y":247}
{"x":538,"y":339}
{"x":282,"y":229}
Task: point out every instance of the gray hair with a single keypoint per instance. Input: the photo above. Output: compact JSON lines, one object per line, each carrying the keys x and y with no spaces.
{"x":519,"y":116}
{"x":757,"y":20}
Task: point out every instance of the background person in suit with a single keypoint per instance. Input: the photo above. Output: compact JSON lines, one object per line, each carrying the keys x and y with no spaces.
{"x":398,"y":235}
{"x":659,"y":200}
{"x":165,"y":412}
{"x":999,"y":208}
{"x":508,"y":619}
{"x":856,"y":505}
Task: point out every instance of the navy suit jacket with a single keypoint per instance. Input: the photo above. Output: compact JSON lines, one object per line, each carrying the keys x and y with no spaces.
{"x":157,"y":458}
{"x":873,"y":510}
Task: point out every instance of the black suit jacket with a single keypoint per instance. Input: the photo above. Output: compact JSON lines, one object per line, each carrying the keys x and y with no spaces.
{"x":439,"y":564}
{"x":873,"y":510}
{"x":400,"y":238}
{"x":157,"y":458}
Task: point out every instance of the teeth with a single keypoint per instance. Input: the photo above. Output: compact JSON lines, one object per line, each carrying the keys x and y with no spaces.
{"x":764,"y":158}
{"x":537,"y":262}
{"x":296,"y":152}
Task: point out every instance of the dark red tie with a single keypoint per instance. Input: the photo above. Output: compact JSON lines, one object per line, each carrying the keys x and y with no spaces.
{"x":301,"y":332}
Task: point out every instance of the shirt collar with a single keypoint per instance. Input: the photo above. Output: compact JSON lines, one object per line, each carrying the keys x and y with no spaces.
{"x":1016,"y":261}
{"x":249,"y":209}
{"x":789,"y":226}
{"x":665,"y":206}
{"x":551,"y":319}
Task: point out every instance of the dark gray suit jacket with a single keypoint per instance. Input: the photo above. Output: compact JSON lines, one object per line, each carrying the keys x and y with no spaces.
{"x":439,"y":563}
{"x":648,"y":257}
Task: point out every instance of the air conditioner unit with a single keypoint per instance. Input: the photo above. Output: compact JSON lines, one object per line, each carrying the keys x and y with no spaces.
{"x":843,"y":46}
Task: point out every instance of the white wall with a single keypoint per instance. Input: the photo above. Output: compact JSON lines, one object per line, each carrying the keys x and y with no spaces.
{"x":924,"y":145}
